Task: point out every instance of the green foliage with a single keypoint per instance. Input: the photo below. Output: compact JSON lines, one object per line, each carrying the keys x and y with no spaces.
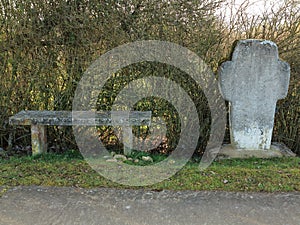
{"x":45,"y":47}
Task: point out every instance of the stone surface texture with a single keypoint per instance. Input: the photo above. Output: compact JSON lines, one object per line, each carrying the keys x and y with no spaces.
{"x":252,"y":82}
{"x":38,"y":139}
{"x":70,"y":118}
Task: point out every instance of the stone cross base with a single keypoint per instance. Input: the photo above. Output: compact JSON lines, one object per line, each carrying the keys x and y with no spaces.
{"x":276,"y":150}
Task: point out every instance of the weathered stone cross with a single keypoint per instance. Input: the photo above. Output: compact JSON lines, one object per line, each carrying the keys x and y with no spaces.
{"x":253,"y":82}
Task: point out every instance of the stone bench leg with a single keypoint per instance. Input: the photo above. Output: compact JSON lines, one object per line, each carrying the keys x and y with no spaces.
{"x":127,"y":139}
{"x":38,"y":139}
{"x":121,"y":118}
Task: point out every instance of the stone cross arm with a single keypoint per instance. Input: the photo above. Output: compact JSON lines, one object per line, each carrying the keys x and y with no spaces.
{"x":255,"y":70}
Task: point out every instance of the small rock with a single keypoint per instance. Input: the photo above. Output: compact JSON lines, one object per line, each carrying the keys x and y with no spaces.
{"x":120,"y":157}
{"x":147,"y":159}
{"x":171,"y":161}
{"x":130,"y":159}
{"x":136,"y":160}
{"x":111,"y":160}
{"x":107,"y":157}
{"x":212,"y":172}
{"x":225,"y":181}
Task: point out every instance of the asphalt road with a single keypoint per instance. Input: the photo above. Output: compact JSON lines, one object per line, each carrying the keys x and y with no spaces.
{"x":63,"y":206}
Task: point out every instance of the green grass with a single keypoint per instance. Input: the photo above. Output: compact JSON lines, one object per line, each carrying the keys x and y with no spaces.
{"x":70,"y":169}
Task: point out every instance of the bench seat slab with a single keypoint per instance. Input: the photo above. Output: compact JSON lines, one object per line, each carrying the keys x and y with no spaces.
{"x":70,"y":118}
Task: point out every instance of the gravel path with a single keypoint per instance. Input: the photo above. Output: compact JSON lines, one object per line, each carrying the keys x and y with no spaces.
{"x":63,"y":206}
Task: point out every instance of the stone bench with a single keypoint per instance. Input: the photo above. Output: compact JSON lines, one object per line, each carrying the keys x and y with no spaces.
{"x":38,"y":120}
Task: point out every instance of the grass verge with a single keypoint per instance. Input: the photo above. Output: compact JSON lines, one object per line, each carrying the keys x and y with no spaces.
{"x":70,"y":169}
